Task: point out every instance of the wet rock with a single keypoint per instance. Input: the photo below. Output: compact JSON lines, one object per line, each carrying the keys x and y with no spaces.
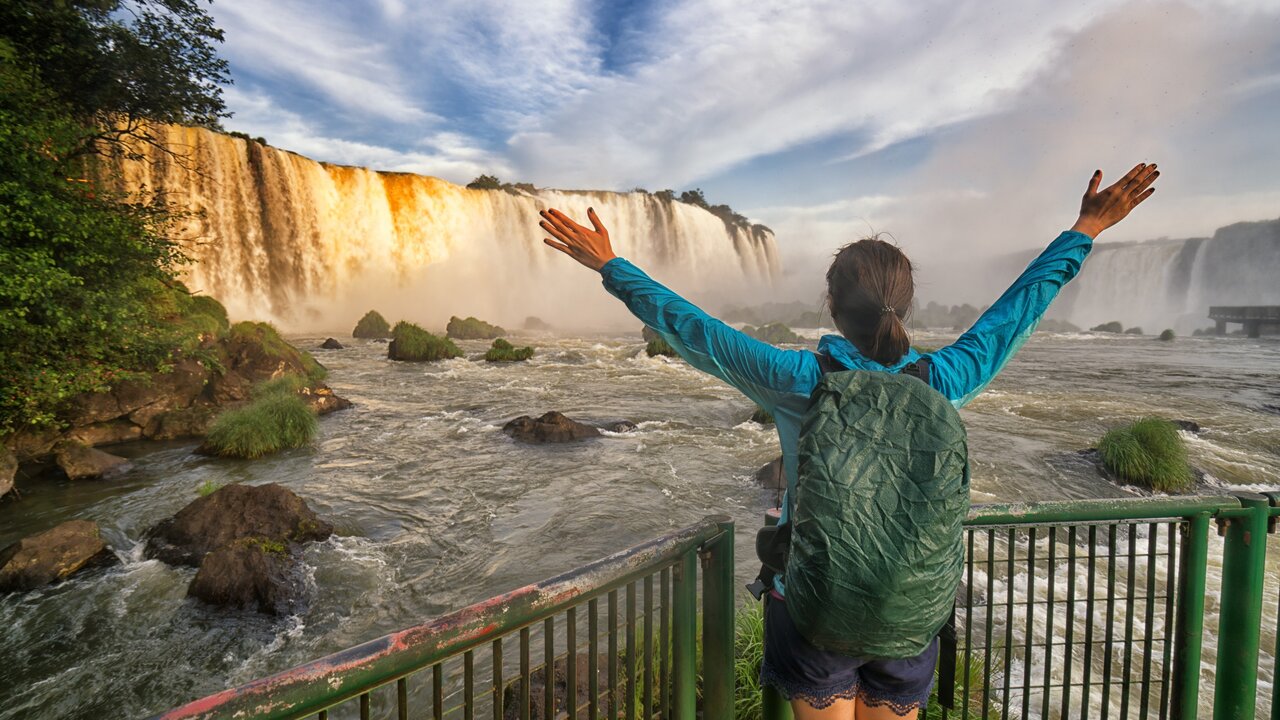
{"x":620,"y":426}
{"x":234,"y":512}
{"x":184,"y":423}
{"x":1190,"y":426}
{"x":322,"y":400}
{"x":81,"y":462}
{"x":331,"y":344}
{"x":560,"y":688}
{"x":770,"y":475}
{"x":250,"y":574}
{"x":52,"y":555}
{"x":105,"y":433}
{"x":553,"y":427}
{"x":8,"y":469}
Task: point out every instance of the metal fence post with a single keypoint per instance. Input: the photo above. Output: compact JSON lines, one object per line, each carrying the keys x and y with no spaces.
{"x":717,"y":625}
{"x":1189,"y":623}
{"x":772,"y":705}
{"x":684,"y":621}
{"x":1244,"y":557}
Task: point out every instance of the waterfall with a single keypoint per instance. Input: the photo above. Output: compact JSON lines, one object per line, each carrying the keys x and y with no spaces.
{"x":1171,"y":283}
{"x":312,"y":246}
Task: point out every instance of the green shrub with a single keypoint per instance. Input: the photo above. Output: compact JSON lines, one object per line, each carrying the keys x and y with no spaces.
{"x":283,"y":385}
{"x":1112,"y":327}
{"x":268,"y":338}
{"x":274,"y":422}
{"x":210,"y":307}
{"x":208,"y":487}
{"x":371,"y":326}
{"x":762,"y":416}
{"x":1149,"y":453}
{"x":1167,"y":335}
{"x":748,"y":652}
{"x":412,"y":343}
{"x":773,"y":333}
{"x":503,"y":351}
{"x":472,"y":329}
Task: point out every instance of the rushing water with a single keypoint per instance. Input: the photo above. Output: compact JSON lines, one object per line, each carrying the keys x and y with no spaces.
{"x":437,"y":508}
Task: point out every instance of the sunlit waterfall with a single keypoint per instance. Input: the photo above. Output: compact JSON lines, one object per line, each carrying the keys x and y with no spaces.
{"x":312,"y":246}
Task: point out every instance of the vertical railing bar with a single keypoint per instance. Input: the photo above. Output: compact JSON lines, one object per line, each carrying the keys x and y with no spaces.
{"x":991,"y":590}
{"x":497,"y":679}
{"x":647,"y":708}
{"x":593,"y":662}
{"x":1130,"y":584}
{"x":437,"y":692}
{"x":1009,"y":581}
{"x":402,"y":699}
{"x":1153,"y":535}
{"x":1050,"y":573}
{"x":323,"y":715}
{"x":1031,"y":624}
{"x":1172,"y":576}
{"x":684,"y":623}
{"x":571,"y":663}
{"x":1070,"y":622}
{"x":525,"y":673}
{"x":549,"y":667}
{"x":364,"y":706}
{"x":1091,"y":588}
{"x":1108,"y":645}
{"x":469,"y":685}
{"x":968,"y":629}
{"x":1189,"y":613}
{"x":631,"y":652}
{"x":664,"y":642}
{"x":613,"y":654}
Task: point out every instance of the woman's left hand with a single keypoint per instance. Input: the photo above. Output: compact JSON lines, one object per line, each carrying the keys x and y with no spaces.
{"x":589,"y":247}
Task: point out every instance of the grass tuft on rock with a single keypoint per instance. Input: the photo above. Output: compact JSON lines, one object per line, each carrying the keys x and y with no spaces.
{"x":268,"y":338}
{"x":413,"y":344}
{"x":503,"y":351}
{"x":275,"y":421}
{"x":660,"y":347}
{"x":372,"y":326}
{"x":1149,"y":453}
{"x":472,"y":329}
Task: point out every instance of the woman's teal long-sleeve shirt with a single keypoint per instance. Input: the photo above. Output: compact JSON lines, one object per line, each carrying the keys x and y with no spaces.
{"x":781,"y":381}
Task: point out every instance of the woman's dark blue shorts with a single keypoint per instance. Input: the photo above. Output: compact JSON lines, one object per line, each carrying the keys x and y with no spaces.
{"x":801,"y":671}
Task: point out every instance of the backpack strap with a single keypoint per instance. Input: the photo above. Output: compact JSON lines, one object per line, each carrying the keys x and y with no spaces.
{"x":920,"y":369}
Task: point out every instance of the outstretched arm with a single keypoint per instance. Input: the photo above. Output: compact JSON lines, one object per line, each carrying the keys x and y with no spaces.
{"x":759,"y":370}
{"x":964,"y":368}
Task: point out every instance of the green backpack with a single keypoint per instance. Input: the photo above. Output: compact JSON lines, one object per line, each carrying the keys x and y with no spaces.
{"x":875,"y":552}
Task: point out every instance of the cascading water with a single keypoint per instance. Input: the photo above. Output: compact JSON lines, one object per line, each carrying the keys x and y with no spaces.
{"x":1172,"y":283}
{"x":312,"y":246}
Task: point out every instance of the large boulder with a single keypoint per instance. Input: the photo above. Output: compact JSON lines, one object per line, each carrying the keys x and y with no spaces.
{"x":81,"y":462}
{"x":52,"y":555}
{"x":560,"y":687}
{"x":234,"y":512}
{"x":322,"y":401}
{"x":553,"y":427}
{"x":331,"y":344}
{"x":770,"y":475}
{"x":8,"y":469}
{"x":250,"y":574}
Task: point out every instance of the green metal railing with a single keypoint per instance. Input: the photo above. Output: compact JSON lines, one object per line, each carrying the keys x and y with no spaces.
{"x":647,"y":664}
{"x":1096,"y":609}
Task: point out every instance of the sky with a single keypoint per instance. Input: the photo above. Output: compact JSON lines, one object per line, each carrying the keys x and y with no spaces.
{"x":962,"y":129}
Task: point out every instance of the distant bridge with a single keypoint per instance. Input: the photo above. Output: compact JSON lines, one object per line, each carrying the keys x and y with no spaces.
{"x":1253,"y":317}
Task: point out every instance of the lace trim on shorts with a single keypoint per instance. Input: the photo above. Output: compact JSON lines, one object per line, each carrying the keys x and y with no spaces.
{"x":818,"y":698}
{"x":898,"y":704}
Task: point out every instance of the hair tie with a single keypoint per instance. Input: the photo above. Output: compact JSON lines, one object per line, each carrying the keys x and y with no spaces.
{"x":886,"y":310}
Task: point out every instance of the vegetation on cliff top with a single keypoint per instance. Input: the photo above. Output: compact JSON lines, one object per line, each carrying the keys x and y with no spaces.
{"x":411,"y":343}
{"x":372,"y":326}
{"x":503,"y":351}
{"x":89,"y":295}
{"x":1149,"y":453}
{"x":472,"y":329}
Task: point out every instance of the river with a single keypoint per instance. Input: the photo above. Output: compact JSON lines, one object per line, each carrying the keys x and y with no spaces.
{"x":436,"y":508}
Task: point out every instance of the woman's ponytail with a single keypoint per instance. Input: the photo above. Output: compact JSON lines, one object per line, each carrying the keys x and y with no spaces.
{"x":869,"y":291}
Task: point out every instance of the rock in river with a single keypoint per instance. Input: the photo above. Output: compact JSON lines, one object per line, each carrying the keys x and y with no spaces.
{"x":553,"y":427}
{"x":771,"y":477}
{"x":235,"y":512}
{"x":250,"y":574}
{"x":55,"y":554}
{"x":81,"y":462}
{"x":331,"y":344}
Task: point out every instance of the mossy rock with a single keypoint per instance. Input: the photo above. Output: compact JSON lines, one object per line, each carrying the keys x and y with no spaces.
{"x":660,"y":347}
{"x":1167,"y":335}
{"x":1148,"y":453}
{"x":773,"y":333}
{"x":503,"y":351}
{"x":472,"y":329}
{"x":267,"y":339}
{"x":1056,"y":326}
{"x":1134,"y":331}
{"x":372,"y":326}
{"x":1110,"y":327}
{"x":762,"y":416}
{"x":278,"y":420}
{"x":411,"y":343}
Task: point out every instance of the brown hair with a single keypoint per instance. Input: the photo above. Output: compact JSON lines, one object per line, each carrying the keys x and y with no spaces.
{"x":869,"y":292}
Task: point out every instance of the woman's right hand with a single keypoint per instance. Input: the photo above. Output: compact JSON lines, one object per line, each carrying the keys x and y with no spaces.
{"x":1101,"y":210}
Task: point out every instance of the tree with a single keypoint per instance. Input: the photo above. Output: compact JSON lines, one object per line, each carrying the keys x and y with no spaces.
{"x":485,"y":182}
{"x":694,"y":197}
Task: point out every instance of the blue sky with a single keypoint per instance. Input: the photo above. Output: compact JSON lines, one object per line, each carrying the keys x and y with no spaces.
{"x":961,"y":127}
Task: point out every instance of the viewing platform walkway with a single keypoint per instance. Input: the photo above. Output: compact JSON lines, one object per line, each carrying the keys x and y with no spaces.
{"x":1254,"y":317}
{"x":1103,"y":609}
